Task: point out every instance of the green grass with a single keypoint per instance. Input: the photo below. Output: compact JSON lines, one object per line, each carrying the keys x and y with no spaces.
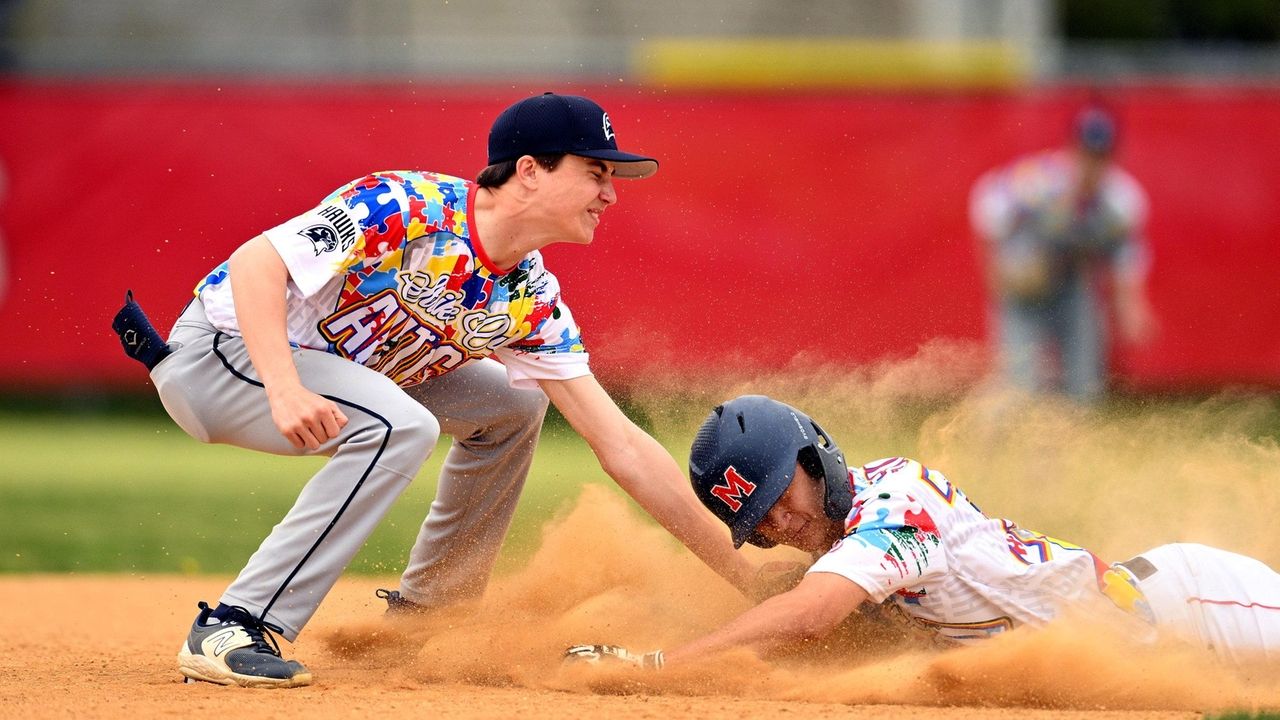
{"x":107,"y":485}
{"x":135,"y":494}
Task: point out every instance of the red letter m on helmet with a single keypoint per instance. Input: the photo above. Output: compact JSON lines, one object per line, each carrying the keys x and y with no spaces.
{"x":731,"y":494}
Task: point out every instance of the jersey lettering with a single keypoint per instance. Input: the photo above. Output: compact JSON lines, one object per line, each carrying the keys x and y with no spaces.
{"x":436,"y":298}
{"x":483,"y":331}
{"x":338,"y":232}
{"x":441,"y":359}
{"x":407,"y":349}
{"x":358,"y":329}
{"x":877,"y":471}
{"x":1033,"y":547}
{"x":342,"y":223}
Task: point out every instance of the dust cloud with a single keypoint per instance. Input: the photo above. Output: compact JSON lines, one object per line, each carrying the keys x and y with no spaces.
{"x":605,"y":574}
{"x":1118,"y":480}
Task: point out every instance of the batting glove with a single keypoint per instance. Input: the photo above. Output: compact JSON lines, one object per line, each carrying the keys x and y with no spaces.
{"x":612,"y":655}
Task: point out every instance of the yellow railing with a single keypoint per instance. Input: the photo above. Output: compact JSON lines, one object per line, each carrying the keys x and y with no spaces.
{"x":803,"y":63}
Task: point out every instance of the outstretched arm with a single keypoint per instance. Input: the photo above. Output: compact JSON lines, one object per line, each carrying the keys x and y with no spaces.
{"x":648,"y":473}
{"x":811,"y":610}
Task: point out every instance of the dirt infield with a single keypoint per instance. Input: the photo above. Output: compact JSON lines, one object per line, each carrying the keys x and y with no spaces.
{"x":104,"y":647}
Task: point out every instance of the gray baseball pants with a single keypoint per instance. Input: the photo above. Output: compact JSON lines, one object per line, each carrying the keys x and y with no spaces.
{"x":210,"y":389}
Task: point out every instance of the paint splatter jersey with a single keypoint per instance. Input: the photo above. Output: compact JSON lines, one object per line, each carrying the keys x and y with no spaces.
{"x":914,"y":537}
{"x":388,"y":271}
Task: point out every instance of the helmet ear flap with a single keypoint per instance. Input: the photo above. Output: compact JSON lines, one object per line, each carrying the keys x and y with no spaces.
{"x":839,"y":499}
{"x":838,"y":496}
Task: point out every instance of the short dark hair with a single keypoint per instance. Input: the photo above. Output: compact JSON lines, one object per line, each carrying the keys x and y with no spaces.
{"x":498,"y":174}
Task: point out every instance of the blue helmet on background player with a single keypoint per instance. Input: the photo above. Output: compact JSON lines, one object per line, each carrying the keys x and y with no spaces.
{"x":744,"y":458}
{"x":1095,"y":131}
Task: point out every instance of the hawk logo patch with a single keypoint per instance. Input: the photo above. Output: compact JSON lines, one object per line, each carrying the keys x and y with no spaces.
{"x":322,"y":237}
{"x":338,"y":233}
{"x":735,"y":488}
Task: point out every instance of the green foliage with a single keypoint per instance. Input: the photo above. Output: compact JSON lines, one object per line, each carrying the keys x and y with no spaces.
{"x":127,"y":491}
{"x":1108,"y":20}
{"x":1248,"y":21}
{"x":135,"y":494}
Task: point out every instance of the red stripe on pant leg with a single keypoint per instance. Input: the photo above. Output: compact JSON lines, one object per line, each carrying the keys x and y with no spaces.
{"x":1232,"y":602}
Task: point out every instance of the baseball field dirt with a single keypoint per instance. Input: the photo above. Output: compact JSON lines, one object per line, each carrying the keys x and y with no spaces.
{"x":103,"y":646}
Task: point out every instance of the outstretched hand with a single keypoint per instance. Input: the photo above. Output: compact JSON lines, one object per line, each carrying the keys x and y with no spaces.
{"x":612,"y":655}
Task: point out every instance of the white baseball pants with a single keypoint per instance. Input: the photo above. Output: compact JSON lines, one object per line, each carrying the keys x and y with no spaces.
{"x":210,"y":389}
{"x":1216,"y":599}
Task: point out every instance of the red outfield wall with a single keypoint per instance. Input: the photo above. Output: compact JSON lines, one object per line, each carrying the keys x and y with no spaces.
{"x":830,"y":224}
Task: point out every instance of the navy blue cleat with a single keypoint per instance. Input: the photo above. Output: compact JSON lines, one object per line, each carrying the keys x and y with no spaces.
{"x":237,"y":650}
{"x":397,"y":604}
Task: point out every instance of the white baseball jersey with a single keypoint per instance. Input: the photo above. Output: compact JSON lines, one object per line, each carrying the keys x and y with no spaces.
{"x":914,"y":537}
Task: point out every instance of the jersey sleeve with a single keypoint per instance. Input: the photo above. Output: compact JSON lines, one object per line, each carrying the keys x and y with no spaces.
{"x":550,"y":344}
{"x":991,"y":206}
{"x":891,"y":542}
{"x":1127,"y":202}
{"x":363,"y":220}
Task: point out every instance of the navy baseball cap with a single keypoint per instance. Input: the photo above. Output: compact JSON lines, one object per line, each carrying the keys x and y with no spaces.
{"x":549,"y":124}
{"x":1096,"y":131}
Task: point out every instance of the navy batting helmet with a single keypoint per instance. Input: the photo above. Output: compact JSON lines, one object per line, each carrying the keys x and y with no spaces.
{"x":744,"y":458}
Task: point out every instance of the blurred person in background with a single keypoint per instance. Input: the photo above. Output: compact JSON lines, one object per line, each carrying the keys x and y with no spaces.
{"x":1058,"y":226}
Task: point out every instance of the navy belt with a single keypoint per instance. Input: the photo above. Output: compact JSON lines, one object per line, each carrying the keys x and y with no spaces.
{"x":1139,"y":566}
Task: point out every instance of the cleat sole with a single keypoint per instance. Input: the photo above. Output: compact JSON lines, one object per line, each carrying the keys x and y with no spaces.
{"x":200,"y":668}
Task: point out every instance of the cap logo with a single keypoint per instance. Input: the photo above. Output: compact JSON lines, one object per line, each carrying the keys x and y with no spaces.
{"x":735,"y":487}
{"x":608,"y":127}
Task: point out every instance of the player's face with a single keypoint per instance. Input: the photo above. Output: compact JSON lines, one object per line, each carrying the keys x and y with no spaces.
{"x":798,"y":520}
{"x":577,"y":193}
